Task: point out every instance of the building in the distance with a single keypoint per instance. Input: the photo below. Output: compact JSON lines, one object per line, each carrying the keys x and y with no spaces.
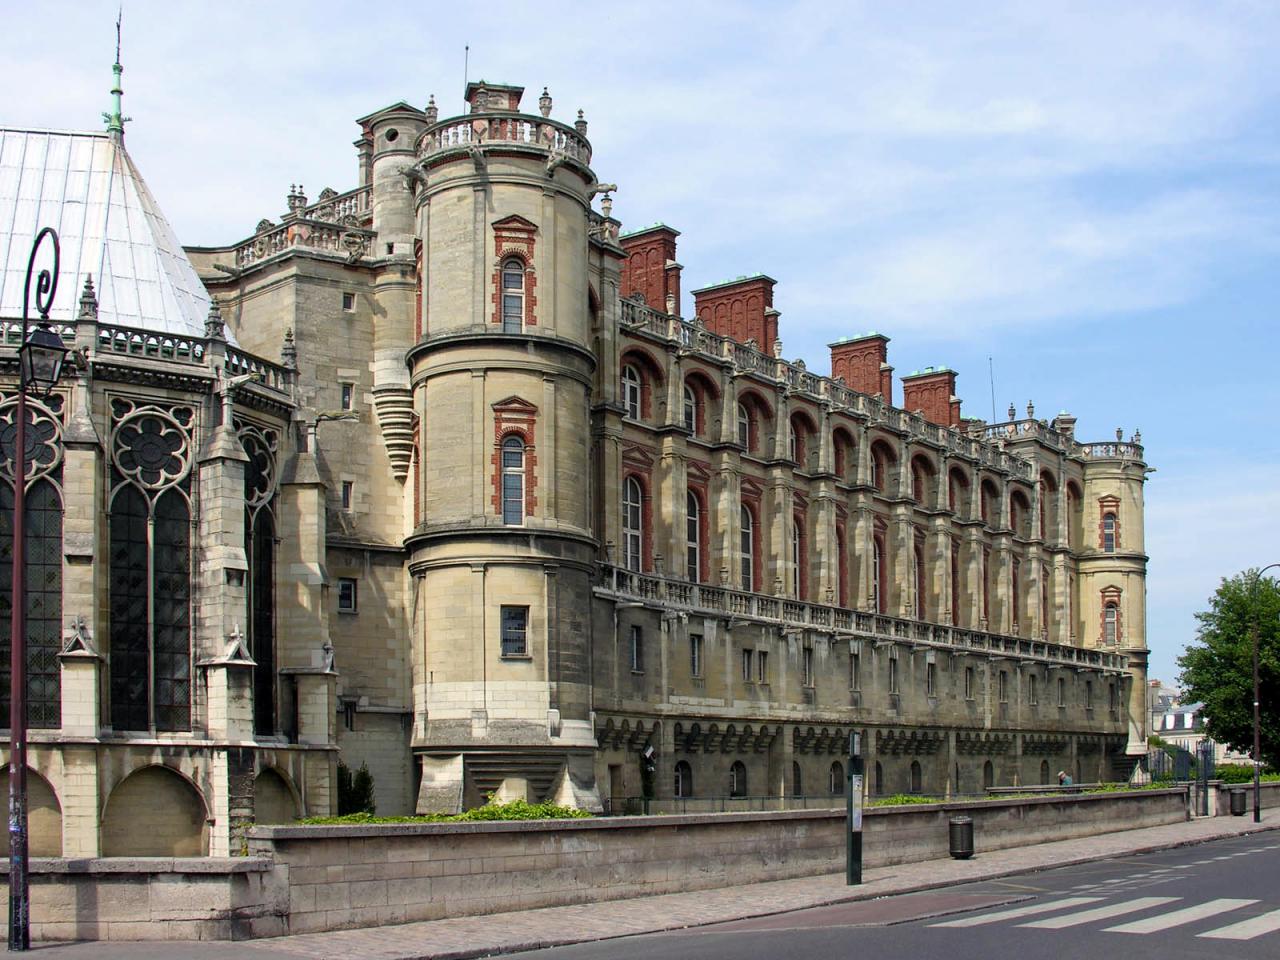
{"x":443,"y":475}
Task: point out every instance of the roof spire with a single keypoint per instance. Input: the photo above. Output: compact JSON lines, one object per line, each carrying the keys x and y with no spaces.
{"x":115,"y":119}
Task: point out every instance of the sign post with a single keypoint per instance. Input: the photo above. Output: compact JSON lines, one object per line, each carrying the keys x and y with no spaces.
{"x":853,"y":808}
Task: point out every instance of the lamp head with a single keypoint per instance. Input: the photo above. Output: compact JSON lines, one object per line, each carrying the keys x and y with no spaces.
{"x":42,"y":357}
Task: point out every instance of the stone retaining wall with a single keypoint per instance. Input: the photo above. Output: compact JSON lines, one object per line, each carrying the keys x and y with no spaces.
{"x":312,"y":878}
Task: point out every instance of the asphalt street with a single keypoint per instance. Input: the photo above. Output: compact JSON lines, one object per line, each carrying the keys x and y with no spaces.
{"x":1215,"y":900}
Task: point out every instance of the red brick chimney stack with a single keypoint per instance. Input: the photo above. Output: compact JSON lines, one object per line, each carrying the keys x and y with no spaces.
{"x":651,"y":268}
{"x":932,"y":392}
{"x":740,"y":309}
{"x":863,"y":362}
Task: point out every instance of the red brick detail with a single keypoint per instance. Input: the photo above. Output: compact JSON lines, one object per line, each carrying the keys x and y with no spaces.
{"x":1111,"y":505}
{"x":864,"y":365}
{"x":932,"y":394}
{"x":515,"y":237}
{"x":646,"y":270}
{"x":1110,"y":595}
{"x":741,"y":311}
{"x":519,"y":417}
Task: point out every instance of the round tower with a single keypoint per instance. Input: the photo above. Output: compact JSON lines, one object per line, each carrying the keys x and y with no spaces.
{"x":501,"y":374}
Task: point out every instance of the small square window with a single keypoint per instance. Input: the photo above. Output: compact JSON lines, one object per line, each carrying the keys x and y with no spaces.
{"x":348,"y":396}
{"x":347,"y":595}
{"x":348,"y":301}
{"x":348,"y":494}
{"x":515,"y":631}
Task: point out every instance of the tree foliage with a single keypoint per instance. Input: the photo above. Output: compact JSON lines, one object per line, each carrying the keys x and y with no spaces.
{"x":355,"y":792}
{"x":1217,"y":668}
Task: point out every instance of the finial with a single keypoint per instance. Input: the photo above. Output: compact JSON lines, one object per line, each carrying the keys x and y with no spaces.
{"x":544,"y":103}
{"x":1031,"y":410}
{"x":289,"y":351}
{"x":116,"y":119}
{"x":1013,"y":412}
{"x":88,"y":300}
{"x":1137,"y":437}
{"x":296,"y":199}
{"x":1119,"y":434}
{"x":580,"y":125}
{"x":606,"y":206}
{"x":213,"y":325}
{"x":433,"y":112}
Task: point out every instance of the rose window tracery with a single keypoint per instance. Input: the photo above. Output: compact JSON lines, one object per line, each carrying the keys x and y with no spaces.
{"x":43,"y":439}
{"x":150,"y":445}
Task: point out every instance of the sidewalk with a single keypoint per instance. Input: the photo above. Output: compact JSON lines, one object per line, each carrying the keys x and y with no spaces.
{"x":526,"y":930}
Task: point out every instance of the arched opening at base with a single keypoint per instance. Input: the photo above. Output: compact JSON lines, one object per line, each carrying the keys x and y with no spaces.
{"x":44,"y":817}
{"x":273,"y":800}
{"x":155,"y":812}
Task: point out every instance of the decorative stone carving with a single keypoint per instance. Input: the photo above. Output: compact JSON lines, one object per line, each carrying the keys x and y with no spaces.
{"x":544,"y":104}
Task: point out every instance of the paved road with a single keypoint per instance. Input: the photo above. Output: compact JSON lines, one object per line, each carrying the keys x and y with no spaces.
{"x":1217,"y":900}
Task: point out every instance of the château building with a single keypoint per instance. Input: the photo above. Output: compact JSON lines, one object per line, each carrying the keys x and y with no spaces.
{"x":442,"y":475}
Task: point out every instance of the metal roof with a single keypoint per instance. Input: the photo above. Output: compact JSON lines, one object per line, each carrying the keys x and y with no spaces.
{"x":86,"y":187}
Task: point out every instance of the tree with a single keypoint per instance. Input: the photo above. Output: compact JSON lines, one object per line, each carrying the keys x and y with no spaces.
{"x":355,"y":793}
{"x":1217,"y":668}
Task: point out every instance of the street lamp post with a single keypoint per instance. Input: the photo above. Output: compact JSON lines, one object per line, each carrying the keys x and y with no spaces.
{"x":1257,"y":713}
{"x":40,"y":359}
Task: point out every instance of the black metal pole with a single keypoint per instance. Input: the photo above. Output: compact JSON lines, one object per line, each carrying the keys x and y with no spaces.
{"x":1257,"y":705}
{"x":853,"y":813}
{"x":19,"y":864}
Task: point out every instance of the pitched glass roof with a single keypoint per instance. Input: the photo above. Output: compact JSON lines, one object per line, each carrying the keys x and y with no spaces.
{"x":86,"y":187}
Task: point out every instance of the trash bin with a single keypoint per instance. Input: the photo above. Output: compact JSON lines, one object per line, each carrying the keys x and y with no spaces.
{"x":1237,"y":801}
{"x":961,"y":829}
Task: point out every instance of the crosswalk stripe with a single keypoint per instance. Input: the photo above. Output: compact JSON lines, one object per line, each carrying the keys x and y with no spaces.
{"x":1100,"y":913}
{"x":1177,"y":918}
{"x":1016,"y":912}
{"x":1246,"y":929}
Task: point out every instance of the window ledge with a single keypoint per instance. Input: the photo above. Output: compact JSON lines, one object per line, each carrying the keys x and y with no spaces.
{"x":637,"y":673}
{"x":517,"y":656}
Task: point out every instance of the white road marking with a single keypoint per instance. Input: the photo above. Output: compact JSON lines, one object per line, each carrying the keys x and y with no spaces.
{"x":1177,"y":918}
{"x":1246,"y":929}
{"x":1017,"y":912}
{"x":1101,"y":913}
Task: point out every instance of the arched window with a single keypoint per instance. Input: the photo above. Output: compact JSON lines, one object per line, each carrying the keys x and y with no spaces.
{"x":955,"y":582}
{"x":684,"y":779}
{"x":149,"y":527}
{"x":917,"y":560}
{"x":988,"y":775}
{"x":916,"y":777}
{"x":879,"y":597}
{"x":632,"y":523}
{"x":1110,"y":623}
{"x":1044,"y":773}
{"x":690,"y":409}
{"x":693,"y":539}
{"x":738,"y":779}
{"x":512,"y":296}
{"x":513,"y":480}
{"x":795,"y":556}
{"x":259,"y":543}
{"x":747,"y":550}
{"x":835,"y":780}
{"x":744,"y":426}
{"x":1108,"y":533}
{"x":879,"y":783}
{"x":795,"y":447}
{"x":797,"y":780}
{"x":632,"y":387}
{"x":917,"y":484}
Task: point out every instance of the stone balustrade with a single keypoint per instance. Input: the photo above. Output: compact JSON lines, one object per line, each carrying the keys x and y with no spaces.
{"x":494,"y":128}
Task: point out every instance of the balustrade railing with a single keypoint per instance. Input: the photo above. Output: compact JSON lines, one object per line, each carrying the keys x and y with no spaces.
{"x":791,"y":613}
{"x":146,"y":343}
{"x":505,"y":128}
{"x":349,"y":241}
{"x":337,"y":209}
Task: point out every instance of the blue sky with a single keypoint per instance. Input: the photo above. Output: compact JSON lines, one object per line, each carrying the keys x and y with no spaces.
{"x":1085,"y":192}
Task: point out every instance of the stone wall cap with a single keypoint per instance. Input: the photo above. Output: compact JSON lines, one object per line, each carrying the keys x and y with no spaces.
{"x":146,"y":865}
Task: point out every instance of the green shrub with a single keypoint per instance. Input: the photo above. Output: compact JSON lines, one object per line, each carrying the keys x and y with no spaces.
{"x":514,"y":810}
{"x":902,"y":799}
{"x":1241,"y":773}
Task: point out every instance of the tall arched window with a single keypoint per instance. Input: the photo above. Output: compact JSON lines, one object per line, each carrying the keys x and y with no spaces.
{"x":988,"y":775}
{"x":512,"y":296}
{"x":795,"y":556}
{"x":1110,"y":623}
{"x":746,"y":550}
{"x":683,"y":779}
{"x":916,"y":777}
{"x":690,"y":409}
{"x":260,"y":444}
{"x":150,"y":566}
{"x":738,"y":779}
{"x":878,"y":591}
{"x":632,"y":523}
{"x":879,"y":779}
{"x":513,"y":480}
{"x":794,"y":445}
{"x":744,"y":426}
{"x":917,"y":560}
{"x":693,"y":538}
{"x":632,"y":386}
{"x":1108,"y":533}
{"x":797,"y":779}
{"x":955,"y":582}
{"x":43,"y":542}
{"x":835,"y":779}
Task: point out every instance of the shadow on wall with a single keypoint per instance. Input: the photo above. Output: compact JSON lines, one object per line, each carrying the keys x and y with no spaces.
{"x":44,"y":817}
{"x":155,"y":812}
{"x":273,"y":800}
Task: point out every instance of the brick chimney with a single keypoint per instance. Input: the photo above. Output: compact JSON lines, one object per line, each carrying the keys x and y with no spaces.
{"x":932,"y":391}
{"x":740,"y":309}
{"x":863,"y":362}
{"x":493,"y":96}
{"x":651,"y":268}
